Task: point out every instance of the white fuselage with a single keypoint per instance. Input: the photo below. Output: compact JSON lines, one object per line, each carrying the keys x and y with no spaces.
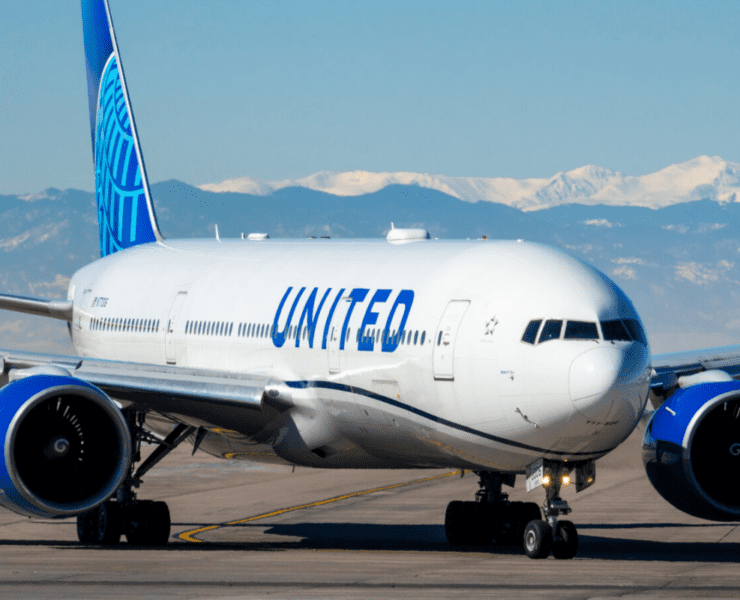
{"x":440,"y":376}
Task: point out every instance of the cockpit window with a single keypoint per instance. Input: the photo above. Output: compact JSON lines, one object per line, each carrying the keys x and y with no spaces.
{"x":530,"y":333}
{"x":615,"y":331}
{"x":551,"y":331}
{"x":633,"y":326}
{"x":581,"y":330}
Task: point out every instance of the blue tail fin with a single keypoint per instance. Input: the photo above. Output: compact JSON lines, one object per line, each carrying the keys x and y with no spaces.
{"x":125,"y":209}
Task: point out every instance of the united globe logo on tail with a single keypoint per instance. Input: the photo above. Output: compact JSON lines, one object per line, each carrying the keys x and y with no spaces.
{"x":123,"y":216}
{"x":125,"y":212}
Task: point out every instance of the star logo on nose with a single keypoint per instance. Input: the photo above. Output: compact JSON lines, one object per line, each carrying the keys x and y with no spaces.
{"x":491,"y":325}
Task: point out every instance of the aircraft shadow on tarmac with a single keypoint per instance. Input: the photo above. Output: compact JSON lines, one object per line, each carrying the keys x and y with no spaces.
{"x":425,"y":538}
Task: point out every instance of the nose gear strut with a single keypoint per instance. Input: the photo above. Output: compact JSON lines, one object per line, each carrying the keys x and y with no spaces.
{"x":552,"y":535}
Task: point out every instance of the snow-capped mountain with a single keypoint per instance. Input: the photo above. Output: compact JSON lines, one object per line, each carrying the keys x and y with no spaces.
{"x":702,"y":178}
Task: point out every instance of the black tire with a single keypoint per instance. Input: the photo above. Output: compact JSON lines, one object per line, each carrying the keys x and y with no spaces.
{"x":86,"y":531}
{"x":102,"y":525}
{"x":509,"y":528}
{"x":537,"y":539}
{"x":467,"y":524}
{"x":512,"y":521}
{"x":147,"y":523}
{"x":565,"y":540}
{"x":109,"y":525}
{"x":530,"y":512}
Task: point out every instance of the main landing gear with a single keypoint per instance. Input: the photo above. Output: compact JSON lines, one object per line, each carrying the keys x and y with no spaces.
{"x":493,"y":519}
{"x":143,"y":522}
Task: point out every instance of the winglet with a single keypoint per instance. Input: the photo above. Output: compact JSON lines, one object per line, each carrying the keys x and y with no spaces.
{"x":125,"y":210}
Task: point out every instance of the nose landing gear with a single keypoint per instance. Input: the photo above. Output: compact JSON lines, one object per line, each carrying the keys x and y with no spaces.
{"x":552,"y":535}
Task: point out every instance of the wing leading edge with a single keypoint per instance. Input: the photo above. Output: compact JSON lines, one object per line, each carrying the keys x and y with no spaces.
{"x":683,"y":369}
{"x":236,"y":401}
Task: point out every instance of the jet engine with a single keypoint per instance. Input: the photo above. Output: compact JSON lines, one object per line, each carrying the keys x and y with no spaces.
{"x":66,"y":446}
{"x":691,"y":450}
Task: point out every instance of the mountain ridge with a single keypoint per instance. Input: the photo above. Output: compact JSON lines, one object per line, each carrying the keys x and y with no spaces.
{"x":700,"y":178}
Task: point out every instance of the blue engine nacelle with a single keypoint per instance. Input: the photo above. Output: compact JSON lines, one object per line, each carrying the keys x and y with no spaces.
{"x":66,"y":446}
{"x":691,"y":450}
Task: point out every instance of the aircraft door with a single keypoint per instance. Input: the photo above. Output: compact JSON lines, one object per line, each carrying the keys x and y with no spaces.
{"x":444,"y":339}
{"x":170,"y":340}
{"x":335,"y":334}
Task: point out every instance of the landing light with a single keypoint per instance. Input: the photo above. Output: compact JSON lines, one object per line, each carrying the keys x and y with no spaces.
{"x":546,"y":480}
{"x":566,"y":479}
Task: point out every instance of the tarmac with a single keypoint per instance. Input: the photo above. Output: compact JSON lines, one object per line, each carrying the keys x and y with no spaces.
{"x":242,"y":530}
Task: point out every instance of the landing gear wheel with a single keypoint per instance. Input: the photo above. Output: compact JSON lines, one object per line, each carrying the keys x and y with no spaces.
{"x":565,"y":540}
{"x":148,"y":523}
{"x":102,"y":525}
{"x":537,"y":539}
{"x":468,"y":524}
{"x":518,"y":514}
{"x":86,"y":527}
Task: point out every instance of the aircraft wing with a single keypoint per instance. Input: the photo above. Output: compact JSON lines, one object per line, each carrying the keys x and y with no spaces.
{"x":679,"y":369}
{"x":214,"y":397}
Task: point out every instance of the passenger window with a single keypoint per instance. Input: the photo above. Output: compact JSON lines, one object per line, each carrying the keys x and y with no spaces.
{"x":635,"y":330}
{"x":416,"y":337}
{"x":530,"y":333}
{"x":615,"y":331}
{"x":423,"y":335}
{"x":581,"y":330}
{"x":551,"y":331}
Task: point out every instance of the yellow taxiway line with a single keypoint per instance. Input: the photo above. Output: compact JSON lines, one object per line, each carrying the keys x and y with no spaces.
{"x":189,"y":536}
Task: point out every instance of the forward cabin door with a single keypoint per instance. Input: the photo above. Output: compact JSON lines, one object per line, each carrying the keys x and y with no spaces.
{"x":170,"y":342}
{"x":444,"y":339}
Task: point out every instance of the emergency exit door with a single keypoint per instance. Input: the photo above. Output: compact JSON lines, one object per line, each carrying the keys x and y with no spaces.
{"x":334,"y":342}
{"x":170,"y":335}
{"x":444,"y":339}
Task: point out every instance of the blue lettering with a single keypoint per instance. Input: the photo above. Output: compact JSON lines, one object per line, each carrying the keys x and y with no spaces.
{"x":310,"y":317}
{"x":278,"y":337}
{"x":405,"y":297}
{"x":357,"y":295}
{"x":329,"y":318}
{"x":367,"y":343}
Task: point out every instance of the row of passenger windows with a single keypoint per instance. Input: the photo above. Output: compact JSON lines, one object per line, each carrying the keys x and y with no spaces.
{"x":250,"y":330}
{"x":262,"y":330}
{"x":406,"y":337}
{"x":625,"y":330}
{"x":220,"y":328}
{"x":124,"y":325}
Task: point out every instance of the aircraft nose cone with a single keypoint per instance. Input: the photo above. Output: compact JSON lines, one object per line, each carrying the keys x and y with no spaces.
{"x":592,"y":376}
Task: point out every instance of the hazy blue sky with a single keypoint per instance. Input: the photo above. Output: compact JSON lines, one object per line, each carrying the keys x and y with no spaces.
{"x":284,"y":89}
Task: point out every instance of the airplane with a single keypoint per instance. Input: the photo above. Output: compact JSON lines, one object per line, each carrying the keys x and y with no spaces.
{"x":497,"y":357}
